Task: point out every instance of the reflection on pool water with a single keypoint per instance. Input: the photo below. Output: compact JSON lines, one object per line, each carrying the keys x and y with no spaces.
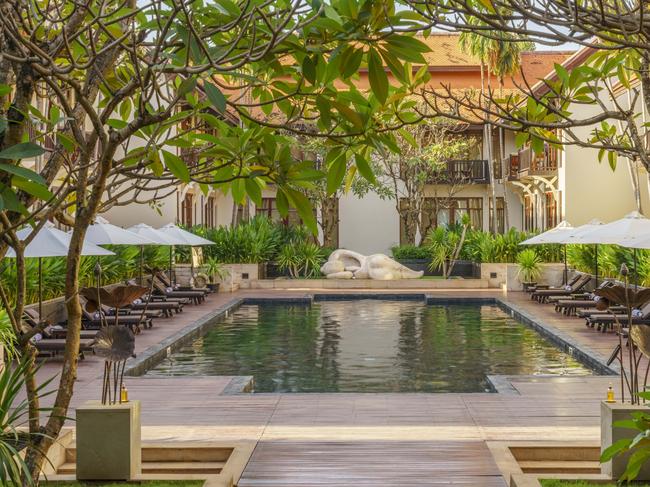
{"x":369,"y":346}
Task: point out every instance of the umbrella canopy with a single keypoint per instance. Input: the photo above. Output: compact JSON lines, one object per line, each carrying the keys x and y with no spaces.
{"x":627,"y":231}
{"x":184,"y":236}
{"x":156,"y":236}
{"x":583,"y":234}
{"x":556,"y":235}
{"x":103,"y":233}
{"x":52,"y":242}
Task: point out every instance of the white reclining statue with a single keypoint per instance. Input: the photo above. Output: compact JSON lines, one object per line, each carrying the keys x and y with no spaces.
{"x":346,"y":264}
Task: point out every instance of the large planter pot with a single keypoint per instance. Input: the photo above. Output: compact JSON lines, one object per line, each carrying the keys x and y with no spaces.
{"x":213,"y":287}
{"x":611,"y":413}
{"x":462,"y":268}
{"x":108,"y":441}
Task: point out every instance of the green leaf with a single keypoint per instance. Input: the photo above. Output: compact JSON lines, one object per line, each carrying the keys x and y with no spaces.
{"x":10,"y":200}
{"x":281,"y":203}
{"x":215,"y":96}
{"x":187,"y":85}
{"x":351,"y":61}
{"x":348,"y":113}
{"x":521,"y":138}
{"x":176,"y":166}
{"x":254,"y":191}
{"x":5,"y":90}
{"x":615,"y":449}
{"x":407,"y":43}
{"x":612,"y":158}
{"x":304,"y":208}
{"x":67,"y":142}
{"x":364,"y":168}
{"x":23,"y":173}
{"x":309,"y":69}
{"x":22,"y":151}
{"x":336,"y":164}
{"x":377,"y":75}
{"x":35,"y":189}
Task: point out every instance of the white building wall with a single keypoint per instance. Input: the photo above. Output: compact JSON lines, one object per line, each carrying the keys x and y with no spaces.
{"x":368,"y":225}
{"x":591,"y":189}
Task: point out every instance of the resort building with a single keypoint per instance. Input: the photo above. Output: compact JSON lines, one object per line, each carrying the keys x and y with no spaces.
{"x":372,"y":223}
{"x":571,"y":184}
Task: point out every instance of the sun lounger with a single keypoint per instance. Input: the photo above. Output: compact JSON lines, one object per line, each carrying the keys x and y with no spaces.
{"x":605,"y":321}
{"x":50,"y":331}
{"x":569,"y":306}
{"x":197,"y":297}
{"x":166,"y":281}
{"x":540,"y":287}
{"x":94,"y":321}
{"x":54,"y":346}
{"x":543,"y":295}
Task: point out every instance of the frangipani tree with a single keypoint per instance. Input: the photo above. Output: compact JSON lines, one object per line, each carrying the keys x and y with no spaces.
{"x":109,"y":96}
{"x":605,"y":92}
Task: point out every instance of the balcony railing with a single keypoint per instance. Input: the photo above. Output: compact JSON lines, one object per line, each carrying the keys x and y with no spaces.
{"x":466,"y":172}
{"x":526,"y":162}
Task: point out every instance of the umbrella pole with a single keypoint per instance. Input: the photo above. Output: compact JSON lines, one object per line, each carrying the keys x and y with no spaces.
{"x":171,"y":251}
{"x":566,"y":271}
{"x":596,"y":265}
{"x":141,"y":261}
{"x":40,"y":288}
{"x":636,"y":271}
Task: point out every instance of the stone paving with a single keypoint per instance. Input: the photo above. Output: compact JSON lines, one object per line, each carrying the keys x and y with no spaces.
{"x":366,"y":439}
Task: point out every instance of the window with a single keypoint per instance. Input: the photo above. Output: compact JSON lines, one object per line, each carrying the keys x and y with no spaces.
{"x":529,"y":213}
{"x":447,"y":211}
{"x":500,"y":214}
{"x":187,"y":210}
{"x":551,"y":210}
{"x":270,"y":210}
{"x":209,"y":212}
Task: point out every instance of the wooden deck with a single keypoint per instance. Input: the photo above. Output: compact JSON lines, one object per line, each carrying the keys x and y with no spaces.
{"x":366,"y":439}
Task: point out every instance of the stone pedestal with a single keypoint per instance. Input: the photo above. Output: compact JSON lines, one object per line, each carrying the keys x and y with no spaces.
{"x":611,"y":413}
{"x":108,"y":441}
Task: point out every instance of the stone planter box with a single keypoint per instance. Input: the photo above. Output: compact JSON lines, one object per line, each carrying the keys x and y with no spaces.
{"x":420,"y":284}
{"x":108,"y":441}
{"x":506,"y":276}
{"x":462,"y":268}
{"x":611,"y":413}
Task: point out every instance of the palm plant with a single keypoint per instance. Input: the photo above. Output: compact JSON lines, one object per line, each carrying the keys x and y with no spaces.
{"x":529,"y":265}
{"x":14,"y":416}
{"x":215,"y":269}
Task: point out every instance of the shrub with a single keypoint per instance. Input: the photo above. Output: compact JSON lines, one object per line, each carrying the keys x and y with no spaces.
{"x":406,"y":252}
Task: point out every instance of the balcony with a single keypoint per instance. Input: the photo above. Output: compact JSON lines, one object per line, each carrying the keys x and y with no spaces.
{"x":463,"y":172}
{"x":527,"y":163}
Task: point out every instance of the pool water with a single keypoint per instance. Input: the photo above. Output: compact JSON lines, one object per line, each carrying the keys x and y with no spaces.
{"x":369,"y":346}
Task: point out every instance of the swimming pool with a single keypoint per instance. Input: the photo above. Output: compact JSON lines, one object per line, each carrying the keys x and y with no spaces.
{"x":369,"y":345}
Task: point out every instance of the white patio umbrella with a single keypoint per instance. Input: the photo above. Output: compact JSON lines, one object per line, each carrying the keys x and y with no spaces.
{"x":104,"y":233}
{"x":583,"y":235}
{"x":51,"y":242}
{"x":187,"y":238}
{"x":556,"y":235}
{"x":101,"y":232}
{"x":155,"y":236}
{"x":626,"y":232}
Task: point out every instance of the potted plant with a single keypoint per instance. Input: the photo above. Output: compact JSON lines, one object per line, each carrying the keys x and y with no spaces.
{"x":529,"y":267}
{"x":215,"y":271}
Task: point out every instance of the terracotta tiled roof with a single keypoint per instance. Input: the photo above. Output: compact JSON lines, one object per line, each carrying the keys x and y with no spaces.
{"x":446,"y":51}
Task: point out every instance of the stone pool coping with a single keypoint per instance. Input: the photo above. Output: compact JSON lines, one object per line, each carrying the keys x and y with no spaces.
{"x":153,"y":355}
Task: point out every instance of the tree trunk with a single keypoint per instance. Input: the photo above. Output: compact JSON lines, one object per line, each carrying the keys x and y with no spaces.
{"x":330,"y":221}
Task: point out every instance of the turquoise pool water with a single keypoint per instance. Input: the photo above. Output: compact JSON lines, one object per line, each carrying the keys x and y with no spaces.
{"x":369,"y":346}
